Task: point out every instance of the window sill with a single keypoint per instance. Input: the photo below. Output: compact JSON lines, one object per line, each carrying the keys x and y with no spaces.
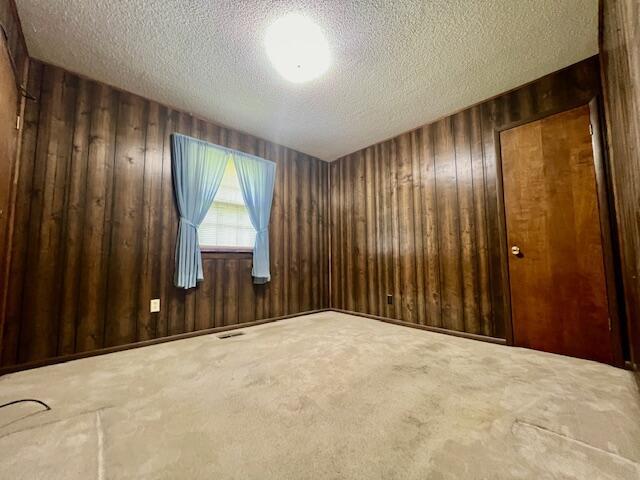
{"x":226,"y":249}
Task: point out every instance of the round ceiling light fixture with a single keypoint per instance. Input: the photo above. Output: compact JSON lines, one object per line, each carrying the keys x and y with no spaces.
{"x":297,"y":48}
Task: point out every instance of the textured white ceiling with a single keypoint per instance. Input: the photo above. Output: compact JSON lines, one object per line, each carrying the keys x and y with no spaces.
{"x":396,"y":64}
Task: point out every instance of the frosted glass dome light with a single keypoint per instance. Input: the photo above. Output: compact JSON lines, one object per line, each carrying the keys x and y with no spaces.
{"x":297,"y":48}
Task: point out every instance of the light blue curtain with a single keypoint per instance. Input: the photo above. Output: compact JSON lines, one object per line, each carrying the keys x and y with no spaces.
{"x":198,"y":168}
{"x":257,"y":178}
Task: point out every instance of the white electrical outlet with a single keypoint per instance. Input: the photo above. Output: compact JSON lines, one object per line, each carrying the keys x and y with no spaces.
{"x":155,"y":305}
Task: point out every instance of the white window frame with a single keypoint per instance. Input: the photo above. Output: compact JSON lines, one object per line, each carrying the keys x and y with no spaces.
{"x":225,"y":248}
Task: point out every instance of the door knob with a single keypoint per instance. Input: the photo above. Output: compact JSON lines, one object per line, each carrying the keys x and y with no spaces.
{"x":515,"y":250}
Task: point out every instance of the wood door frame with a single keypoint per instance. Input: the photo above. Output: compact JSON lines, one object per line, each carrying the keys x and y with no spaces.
{"x":5,"y":269}
{"x":606,"y":213}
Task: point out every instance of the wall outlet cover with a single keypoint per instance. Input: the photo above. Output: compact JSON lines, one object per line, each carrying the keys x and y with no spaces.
{"x":155,"y":305}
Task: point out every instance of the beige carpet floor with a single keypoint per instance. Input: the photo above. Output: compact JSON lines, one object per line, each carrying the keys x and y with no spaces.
{"x":325,"y":396}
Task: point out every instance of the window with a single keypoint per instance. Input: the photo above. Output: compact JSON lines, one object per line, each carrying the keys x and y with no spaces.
{"x":227,"y":224}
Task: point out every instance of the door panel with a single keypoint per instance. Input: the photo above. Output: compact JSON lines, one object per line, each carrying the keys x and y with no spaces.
{"x":8,"y":136}
{"x":558,"y":287}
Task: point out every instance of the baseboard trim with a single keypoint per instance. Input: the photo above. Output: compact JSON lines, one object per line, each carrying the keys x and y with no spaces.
{"x":145,"y":343}
{"x":445,"y":331}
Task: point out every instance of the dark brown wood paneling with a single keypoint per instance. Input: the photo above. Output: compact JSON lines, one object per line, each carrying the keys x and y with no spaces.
{"x":9,"y":108}
{"x":96,"y":224}
{"x":94,"y":261}
{"x":432,"y":228}
{"x":74,"y":219}
{"x":22,"y":208}
{"x":125,"y":253}
{"x":620,"y":52}
{"x":417,"y":217}
{"x":450,"y":248}
{"x":48,"y":215}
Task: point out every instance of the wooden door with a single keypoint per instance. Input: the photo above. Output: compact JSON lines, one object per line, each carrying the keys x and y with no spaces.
{"x":558,"y":286}
{"x":8,"y":136}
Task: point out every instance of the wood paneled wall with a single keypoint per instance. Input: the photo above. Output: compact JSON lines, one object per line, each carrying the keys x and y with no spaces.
{"x":96,"y":225}
{"x":417,"y":216}
{"x":13,"y":70}
{"x":620,"y":53}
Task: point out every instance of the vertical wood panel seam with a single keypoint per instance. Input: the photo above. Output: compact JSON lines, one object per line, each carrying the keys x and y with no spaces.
{"x":417,"y":220}
{"x":437,"y":225}
{"x":145,"y":251}
{"x":459,"y":219}
{"x":476,"y":251}
{"x":62,"y":235}
{"x":110,"y":207}
{"x":486,"y":220}
{"x":81,"y":246}
{"x":29,"y":217}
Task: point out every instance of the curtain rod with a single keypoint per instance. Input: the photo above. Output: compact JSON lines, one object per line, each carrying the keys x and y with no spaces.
{"x":220,"y":147}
